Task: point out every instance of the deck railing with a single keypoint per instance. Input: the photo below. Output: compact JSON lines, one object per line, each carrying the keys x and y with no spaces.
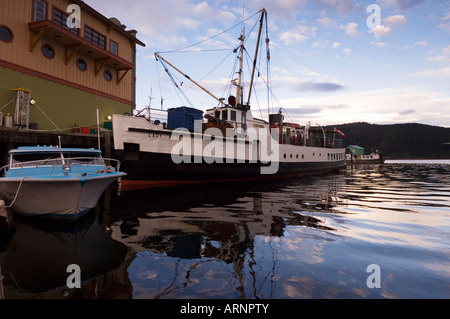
{"x":101,"y":165}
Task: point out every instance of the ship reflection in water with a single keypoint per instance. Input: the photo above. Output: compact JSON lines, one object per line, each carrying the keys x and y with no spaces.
{"x":305,"y":238}
{"x":221,"y":241}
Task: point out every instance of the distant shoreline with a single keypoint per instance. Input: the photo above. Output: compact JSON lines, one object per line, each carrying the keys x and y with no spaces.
{"x":418,"y":161}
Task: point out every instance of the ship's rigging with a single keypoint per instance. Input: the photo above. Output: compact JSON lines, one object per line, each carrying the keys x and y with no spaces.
{"x":236,"y":80}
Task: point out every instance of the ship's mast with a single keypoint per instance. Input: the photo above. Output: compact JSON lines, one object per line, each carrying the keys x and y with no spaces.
{"x":263,"y":13}
{"x":239,"y":91}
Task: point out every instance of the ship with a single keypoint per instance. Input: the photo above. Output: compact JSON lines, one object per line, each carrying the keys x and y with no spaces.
{"x":226,"y":142}
{"x":356,"y":155}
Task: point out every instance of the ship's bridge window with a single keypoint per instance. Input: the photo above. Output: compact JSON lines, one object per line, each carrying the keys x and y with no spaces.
{"x":225,"y":114}
{"x":233,"y":115}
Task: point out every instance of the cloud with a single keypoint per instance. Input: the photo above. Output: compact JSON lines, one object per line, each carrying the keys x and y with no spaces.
{"x":336,"y":45}
{"x":378,"y":44}
{"x":290,"y":37}
{"x":327,"y":22}
{"x":421,"y":44}
{"x":407,"y":112}
{"x":320,"y":44}
{"x":433,"y":73}
{"x":443,"y":58}
{"x":381,"y":106}
{"x":310,"y":86}
{"x":299,"y":34}
{"x":341,"y":7}
{"x":444,"y":23}
{"x":394,"y":21}
{"x":346,"y":51}
{"x":400,"y":4}
{"x":389,"y":24}
{"x":380,"y":31}
{"x":159,"y":25}
{"x":351,"y":29}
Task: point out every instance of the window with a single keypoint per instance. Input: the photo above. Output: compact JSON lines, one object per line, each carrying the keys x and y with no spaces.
{"x":60,"y":18}
{"x":108,"y":75}
{"x":40,"y":10}
{"x":233,"y":116}
{"x":81,"y":64}
{"x":114,"y":48}
{"x":5,"y":34}
{"x":95,"y":37}
{"x":48,"y":51}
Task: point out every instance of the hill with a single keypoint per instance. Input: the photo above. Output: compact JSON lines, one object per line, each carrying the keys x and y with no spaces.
{"x":399,"y":141}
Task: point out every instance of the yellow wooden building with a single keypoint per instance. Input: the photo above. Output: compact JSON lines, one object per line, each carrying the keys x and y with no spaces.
{"x":68,"y":60}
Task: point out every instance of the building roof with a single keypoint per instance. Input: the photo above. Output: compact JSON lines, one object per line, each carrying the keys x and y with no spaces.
{"x":131,"y":34}
{"x":355,"y":149}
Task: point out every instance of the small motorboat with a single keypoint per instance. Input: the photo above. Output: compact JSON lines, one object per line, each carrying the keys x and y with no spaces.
{"x":56,"y":182}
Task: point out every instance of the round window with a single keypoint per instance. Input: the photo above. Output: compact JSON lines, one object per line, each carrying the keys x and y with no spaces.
{"x":81,"y":64}
{"x":108,"y":76}
{"x":5,"y":34}
{"x":48,"y":51}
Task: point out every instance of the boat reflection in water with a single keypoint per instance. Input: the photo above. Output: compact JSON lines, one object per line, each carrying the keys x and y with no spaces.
{"x":36,"y":257}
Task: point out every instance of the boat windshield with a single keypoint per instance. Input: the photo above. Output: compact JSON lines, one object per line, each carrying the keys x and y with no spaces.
{"x":56,"y":158}
{"x":83,"y":158}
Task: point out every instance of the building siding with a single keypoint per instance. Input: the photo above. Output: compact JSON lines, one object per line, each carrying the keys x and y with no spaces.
{"x":66,"y":94}
{"x":64,"y":105}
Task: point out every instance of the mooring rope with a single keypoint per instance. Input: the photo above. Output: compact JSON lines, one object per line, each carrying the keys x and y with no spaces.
{"x":17,"y":193}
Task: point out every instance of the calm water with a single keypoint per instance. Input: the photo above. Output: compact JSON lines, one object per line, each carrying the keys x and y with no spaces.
{"x":304,"y":238}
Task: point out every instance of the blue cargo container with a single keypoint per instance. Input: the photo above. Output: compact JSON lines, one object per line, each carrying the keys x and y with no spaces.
{"x":183,"y":117}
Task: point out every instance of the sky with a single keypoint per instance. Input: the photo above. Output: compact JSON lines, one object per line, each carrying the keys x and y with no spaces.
{"x":331,"y":61}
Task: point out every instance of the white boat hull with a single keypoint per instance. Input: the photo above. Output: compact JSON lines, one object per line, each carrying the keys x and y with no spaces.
{"x":155,"y":150}
{"x":57,"y":198}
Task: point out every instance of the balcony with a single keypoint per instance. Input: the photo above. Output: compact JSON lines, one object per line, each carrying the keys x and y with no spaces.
{"x":74,"y":43}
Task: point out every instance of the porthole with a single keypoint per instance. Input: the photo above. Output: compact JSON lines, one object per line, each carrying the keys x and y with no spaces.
{"x":48,"y":51}
{"x":108,"y":75}
{"x":81,"y":64}
{"x":5,"y":34}
{"x":284,"y":156}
